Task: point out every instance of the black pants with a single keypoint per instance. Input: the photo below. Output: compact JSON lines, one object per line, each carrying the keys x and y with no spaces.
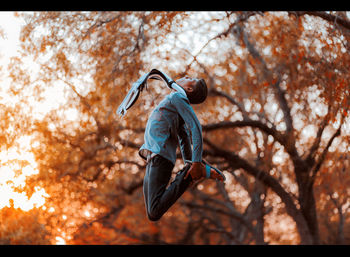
{"x":158,"y":198}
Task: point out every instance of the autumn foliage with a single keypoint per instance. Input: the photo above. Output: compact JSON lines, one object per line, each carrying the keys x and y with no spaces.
{"x":276,"y":121}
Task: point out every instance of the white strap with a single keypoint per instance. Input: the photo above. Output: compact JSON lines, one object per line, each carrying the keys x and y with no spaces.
{"x":138,"y":86}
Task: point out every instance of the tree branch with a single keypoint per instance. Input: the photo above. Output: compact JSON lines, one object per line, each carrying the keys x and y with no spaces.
{"x":310,"y":158}
{"x":241,"y":18}
{"x":248,"y":123}
{"x":324,"y":152}
{"x":234,"y":215}
{"x":99,"y":24}
{"x":127,"y":143}
{"x":236,"y":162}
{"x":326,"y":16}
{"x":216,"y":92}
{"x":340,"y":234}
{"x":240,"y":33}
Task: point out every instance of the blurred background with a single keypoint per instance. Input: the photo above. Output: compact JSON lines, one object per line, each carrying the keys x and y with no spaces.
{"x":276,"y":121}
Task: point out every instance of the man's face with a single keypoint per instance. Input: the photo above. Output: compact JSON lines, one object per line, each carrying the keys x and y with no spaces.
{"x":187,"y":83}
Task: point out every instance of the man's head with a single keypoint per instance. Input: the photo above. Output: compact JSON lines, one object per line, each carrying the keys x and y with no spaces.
{"x":196,"y":89}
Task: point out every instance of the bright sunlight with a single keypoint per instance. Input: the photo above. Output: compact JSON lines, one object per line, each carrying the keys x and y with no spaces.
{"x":16,"y":166}
{"x":17,"y":163}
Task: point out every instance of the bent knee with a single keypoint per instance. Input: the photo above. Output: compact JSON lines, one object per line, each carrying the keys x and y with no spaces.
{"x":154,"y":215}
{"x":153,"y":218}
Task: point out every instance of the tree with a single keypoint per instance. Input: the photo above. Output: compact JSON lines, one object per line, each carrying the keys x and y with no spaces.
{"x":277,"y":110}
{"x":77,"y":158}
{"x":287,"y":72}
{"x":18,"y":227}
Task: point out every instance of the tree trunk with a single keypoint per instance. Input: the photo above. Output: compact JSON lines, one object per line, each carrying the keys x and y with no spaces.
{"x":308,"y":204}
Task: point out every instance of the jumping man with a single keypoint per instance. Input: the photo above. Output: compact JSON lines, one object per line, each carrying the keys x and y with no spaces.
{"x":173,"y":122}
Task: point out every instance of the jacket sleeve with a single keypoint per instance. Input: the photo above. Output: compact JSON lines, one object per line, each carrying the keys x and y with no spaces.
{"x":187,"y":113}
{"x":184,"y":141}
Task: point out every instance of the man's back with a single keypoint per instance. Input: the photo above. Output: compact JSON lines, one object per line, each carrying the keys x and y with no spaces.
{"x":166,"y":122}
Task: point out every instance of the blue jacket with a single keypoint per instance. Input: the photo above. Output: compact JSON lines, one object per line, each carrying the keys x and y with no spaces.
{"x":172,"y":123}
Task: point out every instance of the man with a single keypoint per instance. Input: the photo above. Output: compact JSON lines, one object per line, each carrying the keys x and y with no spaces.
{"x":172,"y":123}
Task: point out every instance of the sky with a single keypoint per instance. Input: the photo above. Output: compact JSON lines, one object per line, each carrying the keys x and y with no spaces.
{"x":10,"y":178}
{"x":13,"y":174}
{"x":9,"y":44}
{"x":11,"y":27}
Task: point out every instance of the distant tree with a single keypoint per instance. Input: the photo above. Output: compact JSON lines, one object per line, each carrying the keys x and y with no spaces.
{"x":24,"y":228}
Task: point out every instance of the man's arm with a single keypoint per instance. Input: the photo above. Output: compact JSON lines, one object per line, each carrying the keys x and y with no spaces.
{"x":187,"y":113}
{"x":184,"y":141}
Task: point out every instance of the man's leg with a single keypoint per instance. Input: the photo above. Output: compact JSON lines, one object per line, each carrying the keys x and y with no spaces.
{"x":158,"y":198}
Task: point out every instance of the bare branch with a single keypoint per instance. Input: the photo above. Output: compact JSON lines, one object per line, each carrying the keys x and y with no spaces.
{"x":127,"y":143}
{"x":234,"y":215}
{"x":100,"y":23}
{"x":326,"y":16}
{"x":340,"y":234}
{"x":132,"y":187}
{"x":237,"y":162}
{"x":239,"y":32}
{"x":310,"y":158}
{"x":248,"y":123}
{"x":241,"y":18}
{"x":325,"y":151}
{"x":216,"y":92}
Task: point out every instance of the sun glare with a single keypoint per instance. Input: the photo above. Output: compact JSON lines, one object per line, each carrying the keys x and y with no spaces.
{"x":16,"y":166}
{"x":60,"y":241}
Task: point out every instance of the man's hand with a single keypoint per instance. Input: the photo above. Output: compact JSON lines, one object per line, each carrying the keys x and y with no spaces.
{"x":196,"y":171}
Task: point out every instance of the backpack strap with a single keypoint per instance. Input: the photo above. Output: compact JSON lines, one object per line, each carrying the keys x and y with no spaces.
{"x":139,"y":85}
